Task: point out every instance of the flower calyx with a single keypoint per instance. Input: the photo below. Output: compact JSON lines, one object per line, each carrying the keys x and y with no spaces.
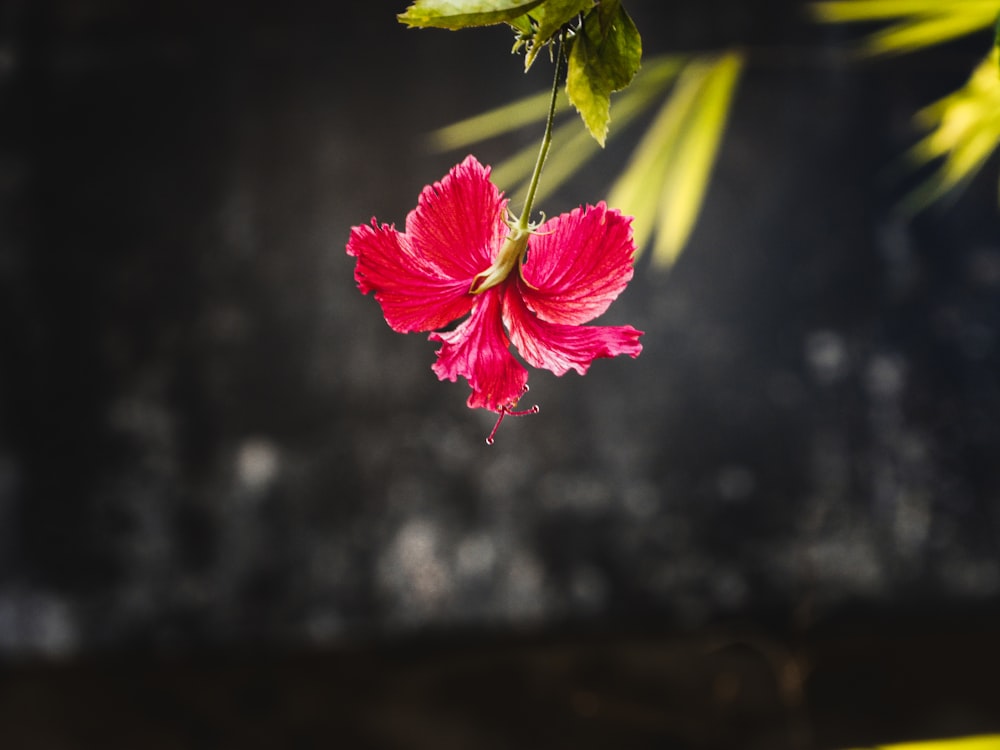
{"x":512,"y":252}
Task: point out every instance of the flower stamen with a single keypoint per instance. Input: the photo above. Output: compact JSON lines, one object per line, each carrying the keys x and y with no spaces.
{"x":507,"y":410}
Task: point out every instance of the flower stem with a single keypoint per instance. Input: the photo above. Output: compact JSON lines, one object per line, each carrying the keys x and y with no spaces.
{"x":512,"y":252}
{"x":524,"y":222}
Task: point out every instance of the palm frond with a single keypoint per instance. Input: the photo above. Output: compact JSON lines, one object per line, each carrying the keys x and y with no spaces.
{"x":664,"y":184}
{"x":572,"y":144}
{"x":975,"y":742}
{"x":965,"y":131}
{"x":916,"y":23}
{"x":495,"y":122}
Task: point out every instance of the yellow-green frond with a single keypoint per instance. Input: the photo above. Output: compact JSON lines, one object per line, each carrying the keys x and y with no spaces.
{"x":515,"y":170}
{"x":926,"y":31}
{"x":917,"y":23}
{"x":977,"y":742}
{"x":573,"y":146}
{"x":965,"y":131}
{"x":636,"y":190}
{"x":532,"y":109}
{"x":497,"y":121}
{"x":840,"y":11}
{"x":686,"y":181}
{"x":664,"y":184}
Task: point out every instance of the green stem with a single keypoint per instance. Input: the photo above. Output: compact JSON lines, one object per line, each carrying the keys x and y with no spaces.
{"x":511,"y":252}
{"x":543,"y":151}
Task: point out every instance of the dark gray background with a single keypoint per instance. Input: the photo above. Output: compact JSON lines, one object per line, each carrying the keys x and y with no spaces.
{"x":209,"y":439}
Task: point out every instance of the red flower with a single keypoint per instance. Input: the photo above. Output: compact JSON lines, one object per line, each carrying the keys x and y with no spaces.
{"x":456,"y":256}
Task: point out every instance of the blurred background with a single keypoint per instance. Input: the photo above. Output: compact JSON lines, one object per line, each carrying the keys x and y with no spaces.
{"x":237,"y":510}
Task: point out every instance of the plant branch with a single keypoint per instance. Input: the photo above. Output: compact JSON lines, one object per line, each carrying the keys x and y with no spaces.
{"x":543,"y":151}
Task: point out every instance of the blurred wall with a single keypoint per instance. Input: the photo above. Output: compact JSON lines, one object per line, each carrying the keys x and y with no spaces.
{"x":208,"y":436}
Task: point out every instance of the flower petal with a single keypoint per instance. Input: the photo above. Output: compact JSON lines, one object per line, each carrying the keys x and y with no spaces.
{"x":458,"y":224}
{"x":414,"y":294}
{"x":479,"y":351}
{"x":558,"y":347}
{"x":578,"y":263}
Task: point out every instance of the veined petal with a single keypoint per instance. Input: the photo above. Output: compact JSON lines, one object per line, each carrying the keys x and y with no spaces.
{"x":479,"y":351}
{"x":414,"y":295}
{"x":458,"y":224}
{"x":578,"y":263}
{"x":560,"y":347}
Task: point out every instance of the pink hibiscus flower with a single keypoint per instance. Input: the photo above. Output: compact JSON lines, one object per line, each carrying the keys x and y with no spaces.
{"x":457,"y":255}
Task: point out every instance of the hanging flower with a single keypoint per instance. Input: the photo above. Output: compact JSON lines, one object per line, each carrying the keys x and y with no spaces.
{"x":457,"y":256}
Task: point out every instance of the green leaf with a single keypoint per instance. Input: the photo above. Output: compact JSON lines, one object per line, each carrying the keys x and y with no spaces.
{"x":461,"y":14}
{"x":605,"y":56}
{"x":522,"y":25}
{"x":551,"y":16}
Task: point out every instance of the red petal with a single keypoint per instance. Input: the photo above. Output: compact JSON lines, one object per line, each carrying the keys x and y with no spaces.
{"x":478,"y":350}
{"x":422,"y":277}
{"x":458,"y":223}
{"x":578,"y":263}
{"x":414,"y":294}
{"x":559,"y":347}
